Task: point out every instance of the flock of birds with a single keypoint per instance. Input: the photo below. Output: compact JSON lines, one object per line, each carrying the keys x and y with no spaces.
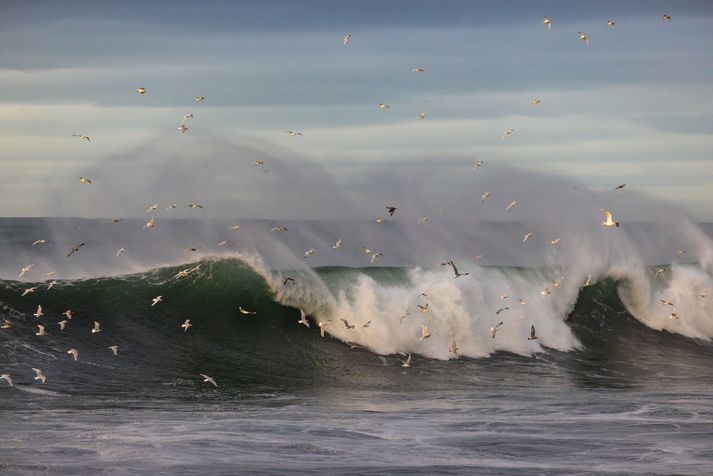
{"x":608,"y":222}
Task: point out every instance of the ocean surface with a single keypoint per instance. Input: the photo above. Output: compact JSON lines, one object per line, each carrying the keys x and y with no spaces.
{"x":616,"y":382}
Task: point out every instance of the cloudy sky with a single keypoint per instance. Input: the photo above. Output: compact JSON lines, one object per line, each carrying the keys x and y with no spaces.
{"x":635,"y":106}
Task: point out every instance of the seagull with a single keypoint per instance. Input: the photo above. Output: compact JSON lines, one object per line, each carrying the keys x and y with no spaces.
{"x":223,"y":243}
{"x":82,"y":137}
{"x":40,"y":375}
{"x":609,"y":222}
{"x":391,"y":210}
{"x":150,"y":224}
{"x":29,"y":290}
{"x":186,"y":117}
{"x":494,"y":329}
{"x":421,"y":115}
{"x":610,"y":23}
{"x":172,"y":206}
{"x":24,"y":270}
{"x":96,"y":328}
{"x":208,"y":379}
{"x":673,"y":315}
{"x":48,"y":274}
{"x":182,"y":129}
{"x":5,"y":324}
{"x":497,"y":313}
{"x":383,"y":106}
{"x":680,"y":252}
{"x":424,"y":333}
{"x":156,"y":300}
{"x":547,"y":22}
{"x":347,"y":326}
{"x":620,"y":187}
{"x":346,"y":38}
{"x":406,"y":363}
{"x":535,"y":102}
{"x":556,"y":241}
{"x":508,"y":132}
{"x":521,"y":301}
{"x":375,"y":256}
{"x":503,"y":296}
{"x":151,"y":208}
{"x":288,"y":279}
{"x":557,"y":282}
{"x":62,"y":324}
{"x":141,"y":90}
{"x":294,"y":133}
{"x":533,"y":336}
{"x":545,"y":291}
{"x":75,"y":249}
{"x":186,"y":324}
{"x":308,"y":253}
{"x":39,"y":312}
{"x":404,"y":316}
{"x":195,"y":205}
{"x":41,"y":331}
{"x":659,"y":271}
{"x":39,"y":242}
{"x":456,"y":274}
{"x":243,"y":311}
{"x":278,"y":228}
{"x":666,"y":17}
{"x":526,"y":237}
{"x":337,"y":244}
{"x":74,"y":353}
{"x":484,"y":197}
{"x":588,"y":282}
{"x":477,"y":257}
{"x":68,"y":314}
{"x":583,"y":37}
{"x":52,"y":284}
{"x":417,"y":69}
{"x":114,"y":349}
{"x":121,"y":250}
{"x":665,"y":302}
{"x":84,"y":180}
{"x":424,"y":309}
{"x":303,"y":318}
{"x":513,"y":204}
{"x":199,"y":98}
{"x":422,"y":220}
{"x":366,"y":324}
{"x":6,"y":377}
{"x":453,"y":348}
{"x":322,"y":327}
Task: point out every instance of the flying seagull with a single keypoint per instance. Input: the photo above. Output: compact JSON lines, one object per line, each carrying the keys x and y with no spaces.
{"x":406,"y":363}
{"x":383,"y":106}
{"x":243,"y":311}
{"x":150,"y":224}
{"x":75,"y":249}
{"x":453,"y":348}
{"x":156,"y":300}
{"x":512,"y":204}
{"x":417,"y":69}
{"x":62,"y":324}
{"x":208,"y":379}
{"x":186,"y":324}
{"x":41,"y":330}
{"x":610,"y":23}
{"x":666,"y":17}
{"x":294,"y":133}
{"x":114,"y":349}
{"x":74,"y":353}
{"x":347,"y":326}
{"x":456,"y":274}
{"x":583,"y":37}
{"x":7,"y":378}
{"x":199,"y":98}
{"x":141,"y":90}
{"x":82,"y":137}
{"x":391,"y":210}
{"x":494,"y":329}
{"x":609,"y":222}
{"x":39,"y":312}
{"x":303,"y":318}
{"x":29,"y":290}
{"x":346,"y":39}
{"x":425,"y":334}
{"x":24,"y":270}
{"x":533,"y":336}
{"x":547,"y":22}
{"x":39,"y":375}
{"x":96,"y":329}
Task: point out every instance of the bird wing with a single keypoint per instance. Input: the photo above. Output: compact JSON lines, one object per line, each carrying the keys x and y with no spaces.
{"x":607,"y":214}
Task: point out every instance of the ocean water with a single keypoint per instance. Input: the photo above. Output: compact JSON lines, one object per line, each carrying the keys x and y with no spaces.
{"x":612,"y":384}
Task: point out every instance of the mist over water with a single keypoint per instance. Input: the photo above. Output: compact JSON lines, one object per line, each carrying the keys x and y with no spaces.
{"x":440,"y":216}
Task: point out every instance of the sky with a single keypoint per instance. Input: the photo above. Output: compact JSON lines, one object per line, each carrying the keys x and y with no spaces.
{"x":634,"y":107}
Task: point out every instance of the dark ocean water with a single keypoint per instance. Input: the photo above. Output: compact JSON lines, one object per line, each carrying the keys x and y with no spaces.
{"x":627,"y":399}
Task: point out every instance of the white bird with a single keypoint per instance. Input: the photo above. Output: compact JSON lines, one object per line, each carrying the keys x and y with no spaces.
{"x":535,"y":102}
{"x":484,"y":197}
{"x":7,"y":378}
{"x":278,"y":228}
{"x":322,"y":327}
{"x":39,"y":375}
{"x":508,"y":133}
{"x":84,"y":180}
{"x":309,"y":253}
{"x":303,"y":318}
{"x":114,"y":349}
{"x":383,"y":106}
{"x":62,"y":324}
{"x":187,"y":116}
{"x":39,"y":242}
{"x":96,"y":328}
{"x":512,"y":204}
{"x":666,"y":17}
{"x":52,"y":284}
{"x":556,"y":241}
{"x":294,"y":133}
{"x":186,"y":324}
{"x":406,"y":363}
{"x":494,"y":329}
{"x":375,"y":256}
{"x":223,"y":243}
{"x":156,"y":300}
{"x":545,"y":291}
{"x":547,"y":22}
{"x":82,"y":137}
{"x":199,"y":98}
{"x":74,"y":353}
{"x":478,"y":164}
{"x":24,"y":270}
{"x":243,"y":311}
{"x":141,"y":90}
{"x":422,"y":220}
{"x":68,"y":314}
{"x":583,"y":37}
{"x":208,"y":379}
{"x":588,"y":282}
{"x":421,"y":115}
{"x":423,"y":309}
{"x":41,"y":330}
{"x":7,"y":324}
{"x":404,"y":316}
{"x":346,"y":39}
{"x":453,"y":348}
{"x":347,"y":326}
{"x":39,"y":312}
{"x":526,"y":237}
{"x":151,"y":223}
{"x":29,"y":290}
{"x":337,"y":244}
{"x":659,"y":271}
{"x":609,"y":222}
{"x":151,"y":208}
{"x":172,"y":206}
{"x":182,"y":129}
{"x":417,"y":69}
{"x":120,"y":251}
{"x":610,"y":23}
{"x":424,"y":333}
